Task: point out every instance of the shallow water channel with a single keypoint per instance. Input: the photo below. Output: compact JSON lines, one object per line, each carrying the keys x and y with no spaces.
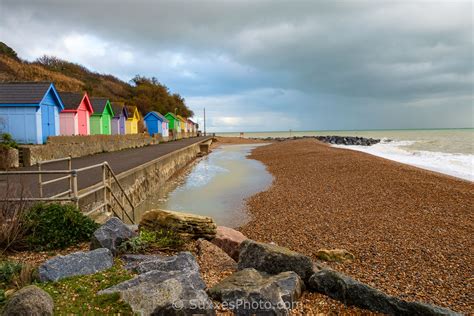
{"x":216,"y":185}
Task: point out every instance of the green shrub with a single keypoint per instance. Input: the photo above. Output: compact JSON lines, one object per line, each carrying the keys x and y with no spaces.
{"x":6,"y":140}
{"x":147,"y":239}
{"x":57,"y":226}
{"x":8,"y":269}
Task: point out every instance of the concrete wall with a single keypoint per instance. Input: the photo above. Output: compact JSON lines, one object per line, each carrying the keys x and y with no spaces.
{"x":141,"y":182}
{"x":8,"y":158}
{"x":84,"y":145}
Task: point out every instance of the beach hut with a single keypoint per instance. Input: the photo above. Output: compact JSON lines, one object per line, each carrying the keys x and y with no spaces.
{"x":30,"y":111}
{"x":191,"y":129}
{"x":156,"y":123}
{"x":74,"y":119}
{"x":120,"y":118}
{"x":174,"y":124}
{"x":101,"y":118}
{"x":131,"y":125}
{"x":182,"y":124}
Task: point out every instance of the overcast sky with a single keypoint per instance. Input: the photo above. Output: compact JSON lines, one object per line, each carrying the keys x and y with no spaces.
{"x":271,"y":65}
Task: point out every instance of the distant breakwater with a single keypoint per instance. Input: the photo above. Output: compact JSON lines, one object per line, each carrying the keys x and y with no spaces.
{"x":335,"y":140}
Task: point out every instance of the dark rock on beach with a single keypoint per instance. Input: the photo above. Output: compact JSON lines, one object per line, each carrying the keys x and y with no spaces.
{"x":77,"y":263}
{"x":30,"y":300}
{"x":273,"y":259}
{"x":351,"y":292}
{"x":111,"y":235}
{"x":249,"y":292}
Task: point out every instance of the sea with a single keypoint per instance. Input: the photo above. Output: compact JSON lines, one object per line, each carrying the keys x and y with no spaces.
{"x":448,"y":151}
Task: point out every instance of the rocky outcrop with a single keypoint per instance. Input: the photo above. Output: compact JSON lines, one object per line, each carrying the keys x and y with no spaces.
{"x":30,"y":300}
{"x":351,"y":292}
{"x":338,"y":255}
{"x":249,"y":291}
{"x":165,"y":293}
{"x":348,"y":140}
{"x":335,"y":140}
{"x":183,"y":224}
{"x":273,"y":259}
{"x":111,"y":235}
{"x":77,"y":263}
{"x":229,"y":240}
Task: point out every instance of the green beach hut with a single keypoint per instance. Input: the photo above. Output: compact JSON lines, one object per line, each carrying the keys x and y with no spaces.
{"x":174,"y":123}
{"x":100,"y":120}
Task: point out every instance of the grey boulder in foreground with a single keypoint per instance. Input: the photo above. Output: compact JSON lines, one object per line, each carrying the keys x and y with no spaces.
{"x":273,"y":259}
{"x":351,"y":292}
{"x":165,"y":293}
{"x":183,"y":261}
{"x":111,"y":235}
{"x":249,"y":292}
{"x":30,"y":300}
{"x":77,"y":263}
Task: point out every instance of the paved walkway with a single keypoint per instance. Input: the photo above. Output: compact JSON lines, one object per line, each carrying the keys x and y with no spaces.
{"x":119,"y":161}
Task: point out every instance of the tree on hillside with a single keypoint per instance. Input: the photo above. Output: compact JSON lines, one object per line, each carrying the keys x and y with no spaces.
{"x":151,"y":95}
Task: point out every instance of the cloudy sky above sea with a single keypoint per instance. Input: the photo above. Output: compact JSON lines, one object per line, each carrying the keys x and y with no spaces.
{"x":271,"y":65}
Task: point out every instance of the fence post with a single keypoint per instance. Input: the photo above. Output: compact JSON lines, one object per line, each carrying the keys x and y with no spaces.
{"x":40,"y":181}
{"x":104,"y":183}
{"x":70,"y":178}
{"x":75,"y":191}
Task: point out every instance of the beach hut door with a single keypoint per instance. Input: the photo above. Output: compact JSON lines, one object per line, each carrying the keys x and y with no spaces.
{"x":82,"y":121}
{"x":47,"y":120}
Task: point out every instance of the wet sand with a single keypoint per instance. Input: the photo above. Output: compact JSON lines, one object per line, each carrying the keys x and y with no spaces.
{"x":410,"y":229}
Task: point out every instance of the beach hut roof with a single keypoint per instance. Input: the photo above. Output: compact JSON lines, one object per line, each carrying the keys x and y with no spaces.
{"x":191,"y":121}
{"x":72,"y":100}
{"x":99,"y":104}
{"x":182,"y":119}
{"x":16,"y":93}
{"x":157,"y":115}
{"x":119,"y":107}
{"x":132,"y":111}
{"x":172,"y":115}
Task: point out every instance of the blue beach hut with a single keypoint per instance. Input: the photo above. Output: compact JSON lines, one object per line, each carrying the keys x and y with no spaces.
{"x":30,"y":111}
{"x":156,"y":123}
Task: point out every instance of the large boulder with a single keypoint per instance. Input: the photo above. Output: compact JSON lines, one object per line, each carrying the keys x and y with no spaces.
{"x":184,"y":224}
{"x":180,"y":262}
{"x":30,"y":300}
{"x":111,"y":235}
{"x":165,"y":293}
{"x":229,"y":240}
{"x":273,"y":259}
{"x":77,"y":263}
{"x":249,"y":291}
{"x":351,"y":292}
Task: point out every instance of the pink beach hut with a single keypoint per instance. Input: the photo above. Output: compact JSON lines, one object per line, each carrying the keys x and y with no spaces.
{"x":74,"y":119}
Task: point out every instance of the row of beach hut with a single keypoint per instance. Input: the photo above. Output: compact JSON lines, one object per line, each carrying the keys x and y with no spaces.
{"x":32,"y":112}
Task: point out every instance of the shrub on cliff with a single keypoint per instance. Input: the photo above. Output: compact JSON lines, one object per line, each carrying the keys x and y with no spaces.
{"x":57,"y":226}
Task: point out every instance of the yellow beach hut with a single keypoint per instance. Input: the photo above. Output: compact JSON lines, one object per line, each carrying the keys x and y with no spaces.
{"x":182,"y":124}
{"x":131,"y":125}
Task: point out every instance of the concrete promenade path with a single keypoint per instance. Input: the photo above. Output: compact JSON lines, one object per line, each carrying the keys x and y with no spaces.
{"x":119,"y":161}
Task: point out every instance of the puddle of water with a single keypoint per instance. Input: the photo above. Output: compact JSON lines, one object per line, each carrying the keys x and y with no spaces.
{"x":216,"y":186}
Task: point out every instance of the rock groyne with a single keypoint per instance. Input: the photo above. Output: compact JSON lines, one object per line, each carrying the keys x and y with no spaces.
{"x":332,"y":139}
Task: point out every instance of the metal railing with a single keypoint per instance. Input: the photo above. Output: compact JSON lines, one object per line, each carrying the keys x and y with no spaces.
{"x":72,"y":194}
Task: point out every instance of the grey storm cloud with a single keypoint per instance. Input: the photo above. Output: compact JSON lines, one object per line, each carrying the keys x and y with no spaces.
{"x":347,"y":64}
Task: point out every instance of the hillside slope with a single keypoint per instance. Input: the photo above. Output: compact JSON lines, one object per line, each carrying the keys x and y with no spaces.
{"x":148,"y":94}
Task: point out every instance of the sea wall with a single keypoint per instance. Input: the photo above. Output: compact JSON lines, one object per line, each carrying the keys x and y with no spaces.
{"x":78,"y":146}
{"x":142,"y":181}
